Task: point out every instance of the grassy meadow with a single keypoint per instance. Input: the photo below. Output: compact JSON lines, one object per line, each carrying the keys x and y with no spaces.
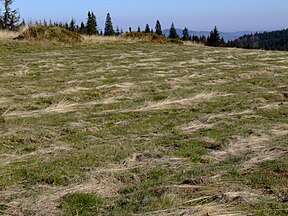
{"x":116,"y":127}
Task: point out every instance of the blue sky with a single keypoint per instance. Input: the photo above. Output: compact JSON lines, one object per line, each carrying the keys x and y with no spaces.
{"x":228,"y":15}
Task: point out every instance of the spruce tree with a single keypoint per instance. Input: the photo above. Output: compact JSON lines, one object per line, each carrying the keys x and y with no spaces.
{"x":108,"y":31}
{"x":147,"y":29}
{"x":185,"y":34}
{"x":139,"y":29}
{"x":214,"y":38}
{"x":158,"y":28}
{"x":91,"y":26}
{"x":9,"y":20}
{"x":203,"y":39}
{"x":72,"y":25}
{"x":173,"y":33}
{"x":66,"y":26}
{"x":82,"y":28}
{"x":195,"y":38}
{"x":117,"y":31}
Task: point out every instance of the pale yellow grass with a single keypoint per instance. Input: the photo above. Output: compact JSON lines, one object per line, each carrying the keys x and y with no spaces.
{"x":101,"y":39}
{"x":170,"y":103}
{"x":196,"y":126}
{"x":8,"y":35}
{"x":62,"y":107}
{"x":240,"y":145}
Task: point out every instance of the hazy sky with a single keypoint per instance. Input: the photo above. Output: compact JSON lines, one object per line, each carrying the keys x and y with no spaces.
{"x":228,"y":15}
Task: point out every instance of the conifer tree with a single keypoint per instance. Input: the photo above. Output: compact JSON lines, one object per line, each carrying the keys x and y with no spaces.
{"x":147,"y":29}
{"x":45,"y":22}
{"x":9,"y":20}
{"x":195,"y":38}
{"x":139,"y":29}
{"x":117,"y":31}
{"x":108,"y":31}
{"x":72,"y":25}
{"x":173,"y":33}
{"x":82,"y":28}
{"x":222,"y":42}
{"x":214,"y":38}
{"x":185,"y":34}
{"x":66,"y":26}
{"x":203,"y":39}
{"x":158,"y":28}
{"x":91,"y":26}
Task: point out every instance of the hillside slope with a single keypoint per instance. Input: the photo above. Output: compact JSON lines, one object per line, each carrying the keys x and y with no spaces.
{"x":275,"y":40}
{"x":121,"y":128}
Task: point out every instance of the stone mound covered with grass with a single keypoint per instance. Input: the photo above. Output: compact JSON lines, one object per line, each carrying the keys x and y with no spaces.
{"x":150,"y":37}
{"x":53,"y":34}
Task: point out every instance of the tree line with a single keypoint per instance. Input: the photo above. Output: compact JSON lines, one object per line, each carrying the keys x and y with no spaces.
{"x":277,"y":40}
{"x":10,"y":20}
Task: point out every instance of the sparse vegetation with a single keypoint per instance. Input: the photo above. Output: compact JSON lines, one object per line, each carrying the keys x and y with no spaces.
{"x":118,"y":128}
{"x":47,"y":33}
{"x":150,"y":37}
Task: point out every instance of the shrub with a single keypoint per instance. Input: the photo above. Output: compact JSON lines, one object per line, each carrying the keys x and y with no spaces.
{"x":150,"y":37}
{"x":54,"y":34}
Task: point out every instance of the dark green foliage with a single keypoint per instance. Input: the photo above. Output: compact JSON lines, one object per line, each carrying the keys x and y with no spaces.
{"x":9,"y":20}
{"x":158,"y":28}
{"x":117,"y":31}
{"x":72,"y":25}
{"x":147,"y":29}
{"x":276,"y":40}
{"x":108,"y":31}
{"x":203,"y":39}
{"x":214,"y":38}
{"x":222,"y":42}
{"x":195,"y":38}
{"x":66,"y":26}
{"x":173,"y":33}
{"x":185,"y":34}
{"x":55,"y":34}
{"x":82,"y":28}
{"x":1,"y":22}
{"x":91,"y":26}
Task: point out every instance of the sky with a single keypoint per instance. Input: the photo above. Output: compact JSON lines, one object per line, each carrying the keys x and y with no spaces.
{"x":198,"y":15}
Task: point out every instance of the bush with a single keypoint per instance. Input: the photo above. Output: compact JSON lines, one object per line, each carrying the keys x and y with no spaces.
{"x":54,"y":34}
{"x":150,"y":37}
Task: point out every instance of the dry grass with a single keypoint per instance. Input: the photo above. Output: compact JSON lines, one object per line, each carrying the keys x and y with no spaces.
{"x":62,"y":107}
{"x":170,"y":103}
{"x":8,"y":35}
{"x":239,"y":146}
{"x":144,"y":128}
{"x":96,"y":39}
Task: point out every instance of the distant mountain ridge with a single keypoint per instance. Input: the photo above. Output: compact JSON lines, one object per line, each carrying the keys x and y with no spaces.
{"x":226,"y":35}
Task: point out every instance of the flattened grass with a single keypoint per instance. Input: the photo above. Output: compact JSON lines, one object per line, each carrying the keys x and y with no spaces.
{"x":126,"y":128}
